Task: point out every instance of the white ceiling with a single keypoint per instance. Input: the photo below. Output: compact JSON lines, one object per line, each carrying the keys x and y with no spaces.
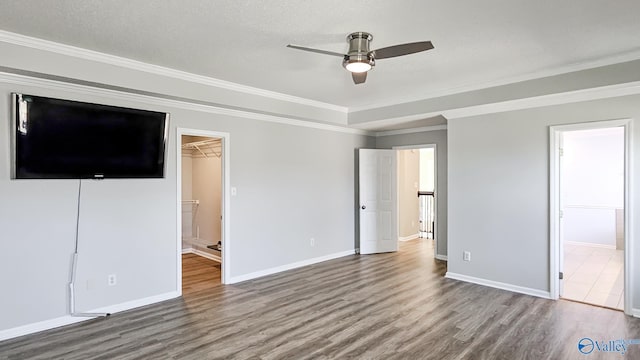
{"x":477,"y":43}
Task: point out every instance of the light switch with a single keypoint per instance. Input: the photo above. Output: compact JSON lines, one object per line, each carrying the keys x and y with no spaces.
{"x":234,"y":191}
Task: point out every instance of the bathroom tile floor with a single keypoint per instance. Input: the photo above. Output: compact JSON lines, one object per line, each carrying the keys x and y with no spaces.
{"x":594,"y":275}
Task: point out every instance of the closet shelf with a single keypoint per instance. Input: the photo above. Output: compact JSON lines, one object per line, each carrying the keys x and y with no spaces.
{"x":206,"y":148}
{"x":196,"y":202}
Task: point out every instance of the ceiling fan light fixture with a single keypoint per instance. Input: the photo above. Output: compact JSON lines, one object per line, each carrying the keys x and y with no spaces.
{"x":358,"y":67}
{"x":358,"y":63}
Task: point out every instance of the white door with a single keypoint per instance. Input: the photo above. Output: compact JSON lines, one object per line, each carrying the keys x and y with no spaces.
{"x":378,"y":201}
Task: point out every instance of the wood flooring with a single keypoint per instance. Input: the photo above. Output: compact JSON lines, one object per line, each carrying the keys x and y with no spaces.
{"x":385,"y":306}
{"x":199,"y":273}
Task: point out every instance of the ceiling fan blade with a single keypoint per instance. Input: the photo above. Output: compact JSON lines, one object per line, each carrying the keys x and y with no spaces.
{"x":315,"y":50}
{"x":402,"y":49}
{"x":359,"y":78}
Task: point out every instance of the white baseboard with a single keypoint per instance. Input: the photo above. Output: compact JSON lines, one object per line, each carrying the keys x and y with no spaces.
{"x":499,"y":285}
{"x":39,"y":326}
{"x":277,"y":269}
{"x":635,"y":312}
{"x":442,"y":257}
{"x":204,"y":254}
{"x":68,"y":319}
{"x":112,"y":309}
{"x":407,"y":238}
{"x":601,"y":246}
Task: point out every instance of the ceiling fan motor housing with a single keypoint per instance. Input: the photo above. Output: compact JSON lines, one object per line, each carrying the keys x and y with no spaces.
{"x":359,"y":49}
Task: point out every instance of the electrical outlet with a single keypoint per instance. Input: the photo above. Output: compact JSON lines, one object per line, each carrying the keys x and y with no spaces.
{"x":313,"y":242}
{"x":466,"y":256}
{"x":112,"y":280}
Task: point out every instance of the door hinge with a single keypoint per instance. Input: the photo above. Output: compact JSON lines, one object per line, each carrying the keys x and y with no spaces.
{"x":561,"y":151}
{"x":560,"y":275}
{"x":561,"y":214}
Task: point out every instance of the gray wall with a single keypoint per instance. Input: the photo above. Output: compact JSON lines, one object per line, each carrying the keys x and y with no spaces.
{"x":293,"y":183}
{"x":439,"y":138}
{"x":499,"y":189}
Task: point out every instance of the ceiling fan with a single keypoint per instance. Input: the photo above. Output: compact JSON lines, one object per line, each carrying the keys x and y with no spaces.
{"x":359,"y":59}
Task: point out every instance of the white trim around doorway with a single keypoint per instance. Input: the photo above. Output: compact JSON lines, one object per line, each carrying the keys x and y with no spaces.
{"x":435,"y":190}
{"x":554,"y":203}
{"x":226,"y":201}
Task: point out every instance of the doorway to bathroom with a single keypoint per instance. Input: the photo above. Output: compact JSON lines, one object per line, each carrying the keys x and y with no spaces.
{"x":589,"y":213}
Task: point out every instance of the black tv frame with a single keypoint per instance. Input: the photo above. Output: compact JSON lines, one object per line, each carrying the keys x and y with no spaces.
{"x":14,"y":130}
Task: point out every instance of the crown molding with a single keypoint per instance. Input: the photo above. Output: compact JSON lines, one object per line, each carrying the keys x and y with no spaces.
{"x":596,"y":93}
{"x":411,"y":131}
{"x":579,"y":66}
{"x":158,"y":100}
{"x":77,"y":52}
{"x":129,"y":94}
{"x":567,"y":97}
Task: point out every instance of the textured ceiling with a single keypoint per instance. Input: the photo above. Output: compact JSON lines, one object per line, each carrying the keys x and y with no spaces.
{"x":243,"y":41}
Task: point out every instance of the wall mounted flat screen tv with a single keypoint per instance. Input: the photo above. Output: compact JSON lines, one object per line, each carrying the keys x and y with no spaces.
{"x":63,"y":139}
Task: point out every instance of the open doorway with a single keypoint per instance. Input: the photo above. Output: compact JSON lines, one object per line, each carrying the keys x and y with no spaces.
{"x":589,"y":197}
{"x":417,"y":194}
{"x":202,"y":183}
{"x":201,"y":211}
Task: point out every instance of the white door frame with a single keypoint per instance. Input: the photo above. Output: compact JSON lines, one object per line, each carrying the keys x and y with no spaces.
{"x":226,"y":201}
{"x":554,"y":202}
{"x":435,"y":189}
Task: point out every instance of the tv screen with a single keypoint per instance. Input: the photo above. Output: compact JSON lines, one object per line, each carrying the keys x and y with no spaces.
{"x":63,"y":139}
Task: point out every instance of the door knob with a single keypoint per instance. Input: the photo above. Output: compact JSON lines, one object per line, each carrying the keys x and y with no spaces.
{"x":363,"y":207}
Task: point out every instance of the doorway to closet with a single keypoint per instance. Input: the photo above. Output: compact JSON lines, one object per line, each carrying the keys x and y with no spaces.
{"x":201,"y":182}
